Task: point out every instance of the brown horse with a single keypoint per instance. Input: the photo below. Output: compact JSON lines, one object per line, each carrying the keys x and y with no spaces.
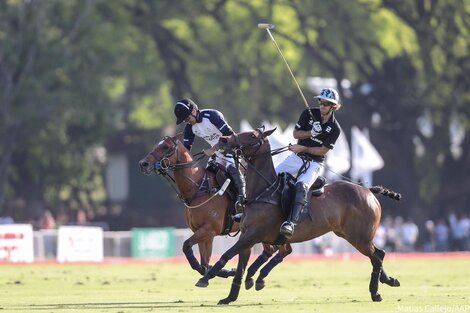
{"x":207,"y":214}
{"x":349,"y":210}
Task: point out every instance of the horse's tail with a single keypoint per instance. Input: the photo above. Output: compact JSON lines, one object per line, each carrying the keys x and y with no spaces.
{"x":386,"y":192}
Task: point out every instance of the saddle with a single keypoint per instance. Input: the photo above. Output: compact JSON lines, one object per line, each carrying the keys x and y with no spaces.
{"x":220,"y":176}
{"x":217,"y":175}
{"x":287,"y":186}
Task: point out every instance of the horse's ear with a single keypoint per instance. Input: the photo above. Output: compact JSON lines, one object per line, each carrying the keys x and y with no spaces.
{"x":269,"y":132}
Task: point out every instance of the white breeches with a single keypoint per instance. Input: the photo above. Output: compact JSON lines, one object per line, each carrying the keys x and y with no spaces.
{"x":223,"y":160}
{"x":293,"y":163}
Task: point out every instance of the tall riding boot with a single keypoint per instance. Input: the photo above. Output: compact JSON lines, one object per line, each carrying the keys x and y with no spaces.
{"x":287,"y":228}
{"x":240,"y":184}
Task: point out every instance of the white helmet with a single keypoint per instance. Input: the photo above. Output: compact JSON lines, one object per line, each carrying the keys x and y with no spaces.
{"x":329,"y":94}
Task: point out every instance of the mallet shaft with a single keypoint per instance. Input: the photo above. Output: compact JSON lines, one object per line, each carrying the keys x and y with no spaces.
{"x":288,"y":67}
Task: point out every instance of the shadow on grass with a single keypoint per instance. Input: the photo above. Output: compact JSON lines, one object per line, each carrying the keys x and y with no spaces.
{"x":121,"y":305}
{"x":156,"y":305}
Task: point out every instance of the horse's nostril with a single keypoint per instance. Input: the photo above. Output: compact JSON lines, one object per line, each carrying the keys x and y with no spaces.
{"x":144,"y":164}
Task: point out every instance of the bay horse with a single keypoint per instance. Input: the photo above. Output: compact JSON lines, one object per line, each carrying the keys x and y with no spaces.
{"x":206,"y":215}
{"x":349,"y":210}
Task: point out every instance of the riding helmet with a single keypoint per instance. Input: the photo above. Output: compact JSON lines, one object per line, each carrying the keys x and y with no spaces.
{"x":183,"y":109}
{"x":329,"y":94}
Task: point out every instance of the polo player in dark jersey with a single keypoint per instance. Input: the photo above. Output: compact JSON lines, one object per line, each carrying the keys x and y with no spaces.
{"x":316,"y":131}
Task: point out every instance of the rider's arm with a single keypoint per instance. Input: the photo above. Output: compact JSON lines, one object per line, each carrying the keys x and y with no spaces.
{"x":303,"y":126}
{"x":188,"y":137}
{"x":302,"y":134}
{"x":318,"y":151}
{"x":217,"y":118}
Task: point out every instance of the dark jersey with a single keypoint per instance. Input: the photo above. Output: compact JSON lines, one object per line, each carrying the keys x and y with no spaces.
{"x":329,"y":131}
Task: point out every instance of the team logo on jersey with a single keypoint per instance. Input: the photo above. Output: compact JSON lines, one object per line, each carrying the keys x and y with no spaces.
{"x":318,"y":140}
{"x":317,"y":126}
{"x":328,"y":129}
{"x":211,"y":137}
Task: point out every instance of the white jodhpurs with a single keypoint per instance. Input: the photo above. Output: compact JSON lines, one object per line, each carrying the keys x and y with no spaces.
{"x":222,"y":159}
{"x":292,"y":165}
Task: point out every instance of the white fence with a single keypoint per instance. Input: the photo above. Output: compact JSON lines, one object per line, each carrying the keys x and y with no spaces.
{"x":118,"y":244}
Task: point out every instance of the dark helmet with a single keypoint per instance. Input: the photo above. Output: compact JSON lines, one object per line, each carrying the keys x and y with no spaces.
{"x":183,"y":109}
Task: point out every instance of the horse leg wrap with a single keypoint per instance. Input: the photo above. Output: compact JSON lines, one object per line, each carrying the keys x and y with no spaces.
{"x":237,"y":280}
{"x":216,"y":268}
{"x":232,"y":296}
{"x":225,"y":273}
{"x":257,"y":264}
{"x":188,"y":252}
{"x":379,"y":254}
{"x":385,"y":279}
{"x":271,"y":264}
{"x":234,"y":291}
{"x":374,"y":282}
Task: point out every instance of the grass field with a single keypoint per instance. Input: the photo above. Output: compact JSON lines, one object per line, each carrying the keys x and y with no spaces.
{"x":427,"y":285}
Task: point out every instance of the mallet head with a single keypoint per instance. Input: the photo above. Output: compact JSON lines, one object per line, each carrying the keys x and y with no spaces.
{"x":266,"y":26}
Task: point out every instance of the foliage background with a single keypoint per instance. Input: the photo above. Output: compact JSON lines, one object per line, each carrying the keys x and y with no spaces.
{"x":80,"y":80}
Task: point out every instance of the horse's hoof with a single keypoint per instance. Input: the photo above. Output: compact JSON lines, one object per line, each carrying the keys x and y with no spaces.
{"x":224,"y":301}
{"x":259,"y":285}
{"x":203,"y":283}
{"x":376,"y":298}
{"x":395,"y":283}
{"x":249,"y":283}
{"x":232,"y":272}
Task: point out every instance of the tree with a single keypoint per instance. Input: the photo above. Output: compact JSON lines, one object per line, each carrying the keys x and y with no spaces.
{"x":441,"y":29}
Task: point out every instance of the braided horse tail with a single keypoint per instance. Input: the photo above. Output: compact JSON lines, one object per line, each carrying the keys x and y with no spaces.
{"x":386,"y":192}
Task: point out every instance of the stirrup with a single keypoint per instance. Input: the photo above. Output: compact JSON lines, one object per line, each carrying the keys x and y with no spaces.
{"x":287,"y":229}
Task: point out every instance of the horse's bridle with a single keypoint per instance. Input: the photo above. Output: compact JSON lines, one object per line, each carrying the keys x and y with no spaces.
{"x":238,"y":149}
{"x":163,"y":165}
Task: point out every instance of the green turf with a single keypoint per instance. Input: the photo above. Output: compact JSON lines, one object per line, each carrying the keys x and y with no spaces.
{"x":433,"y":285}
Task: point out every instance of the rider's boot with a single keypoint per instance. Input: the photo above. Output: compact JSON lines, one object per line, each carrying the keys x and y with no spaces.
{"x":287,"y":228}
{"x":239,"y":182}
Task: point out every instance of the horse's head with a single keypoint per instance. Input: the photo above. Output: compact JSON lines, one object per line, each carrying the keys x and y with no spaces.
{"x":163,"y":155}
{"x":248,"y":143}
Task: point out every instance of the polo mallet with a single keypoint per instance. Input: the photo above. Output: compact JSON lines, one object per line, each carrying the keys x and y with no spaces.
{"x":271,"y":26}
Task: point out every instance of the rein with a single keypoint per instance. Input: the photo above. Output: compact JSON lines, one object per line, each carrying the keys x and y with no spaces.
{"x":163,"y":166}
{"x":270,"y":184}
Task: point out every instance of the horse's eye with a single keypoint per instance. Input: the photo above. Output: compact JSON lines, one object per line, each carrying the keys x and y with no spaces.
{"x":253,"y":136}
